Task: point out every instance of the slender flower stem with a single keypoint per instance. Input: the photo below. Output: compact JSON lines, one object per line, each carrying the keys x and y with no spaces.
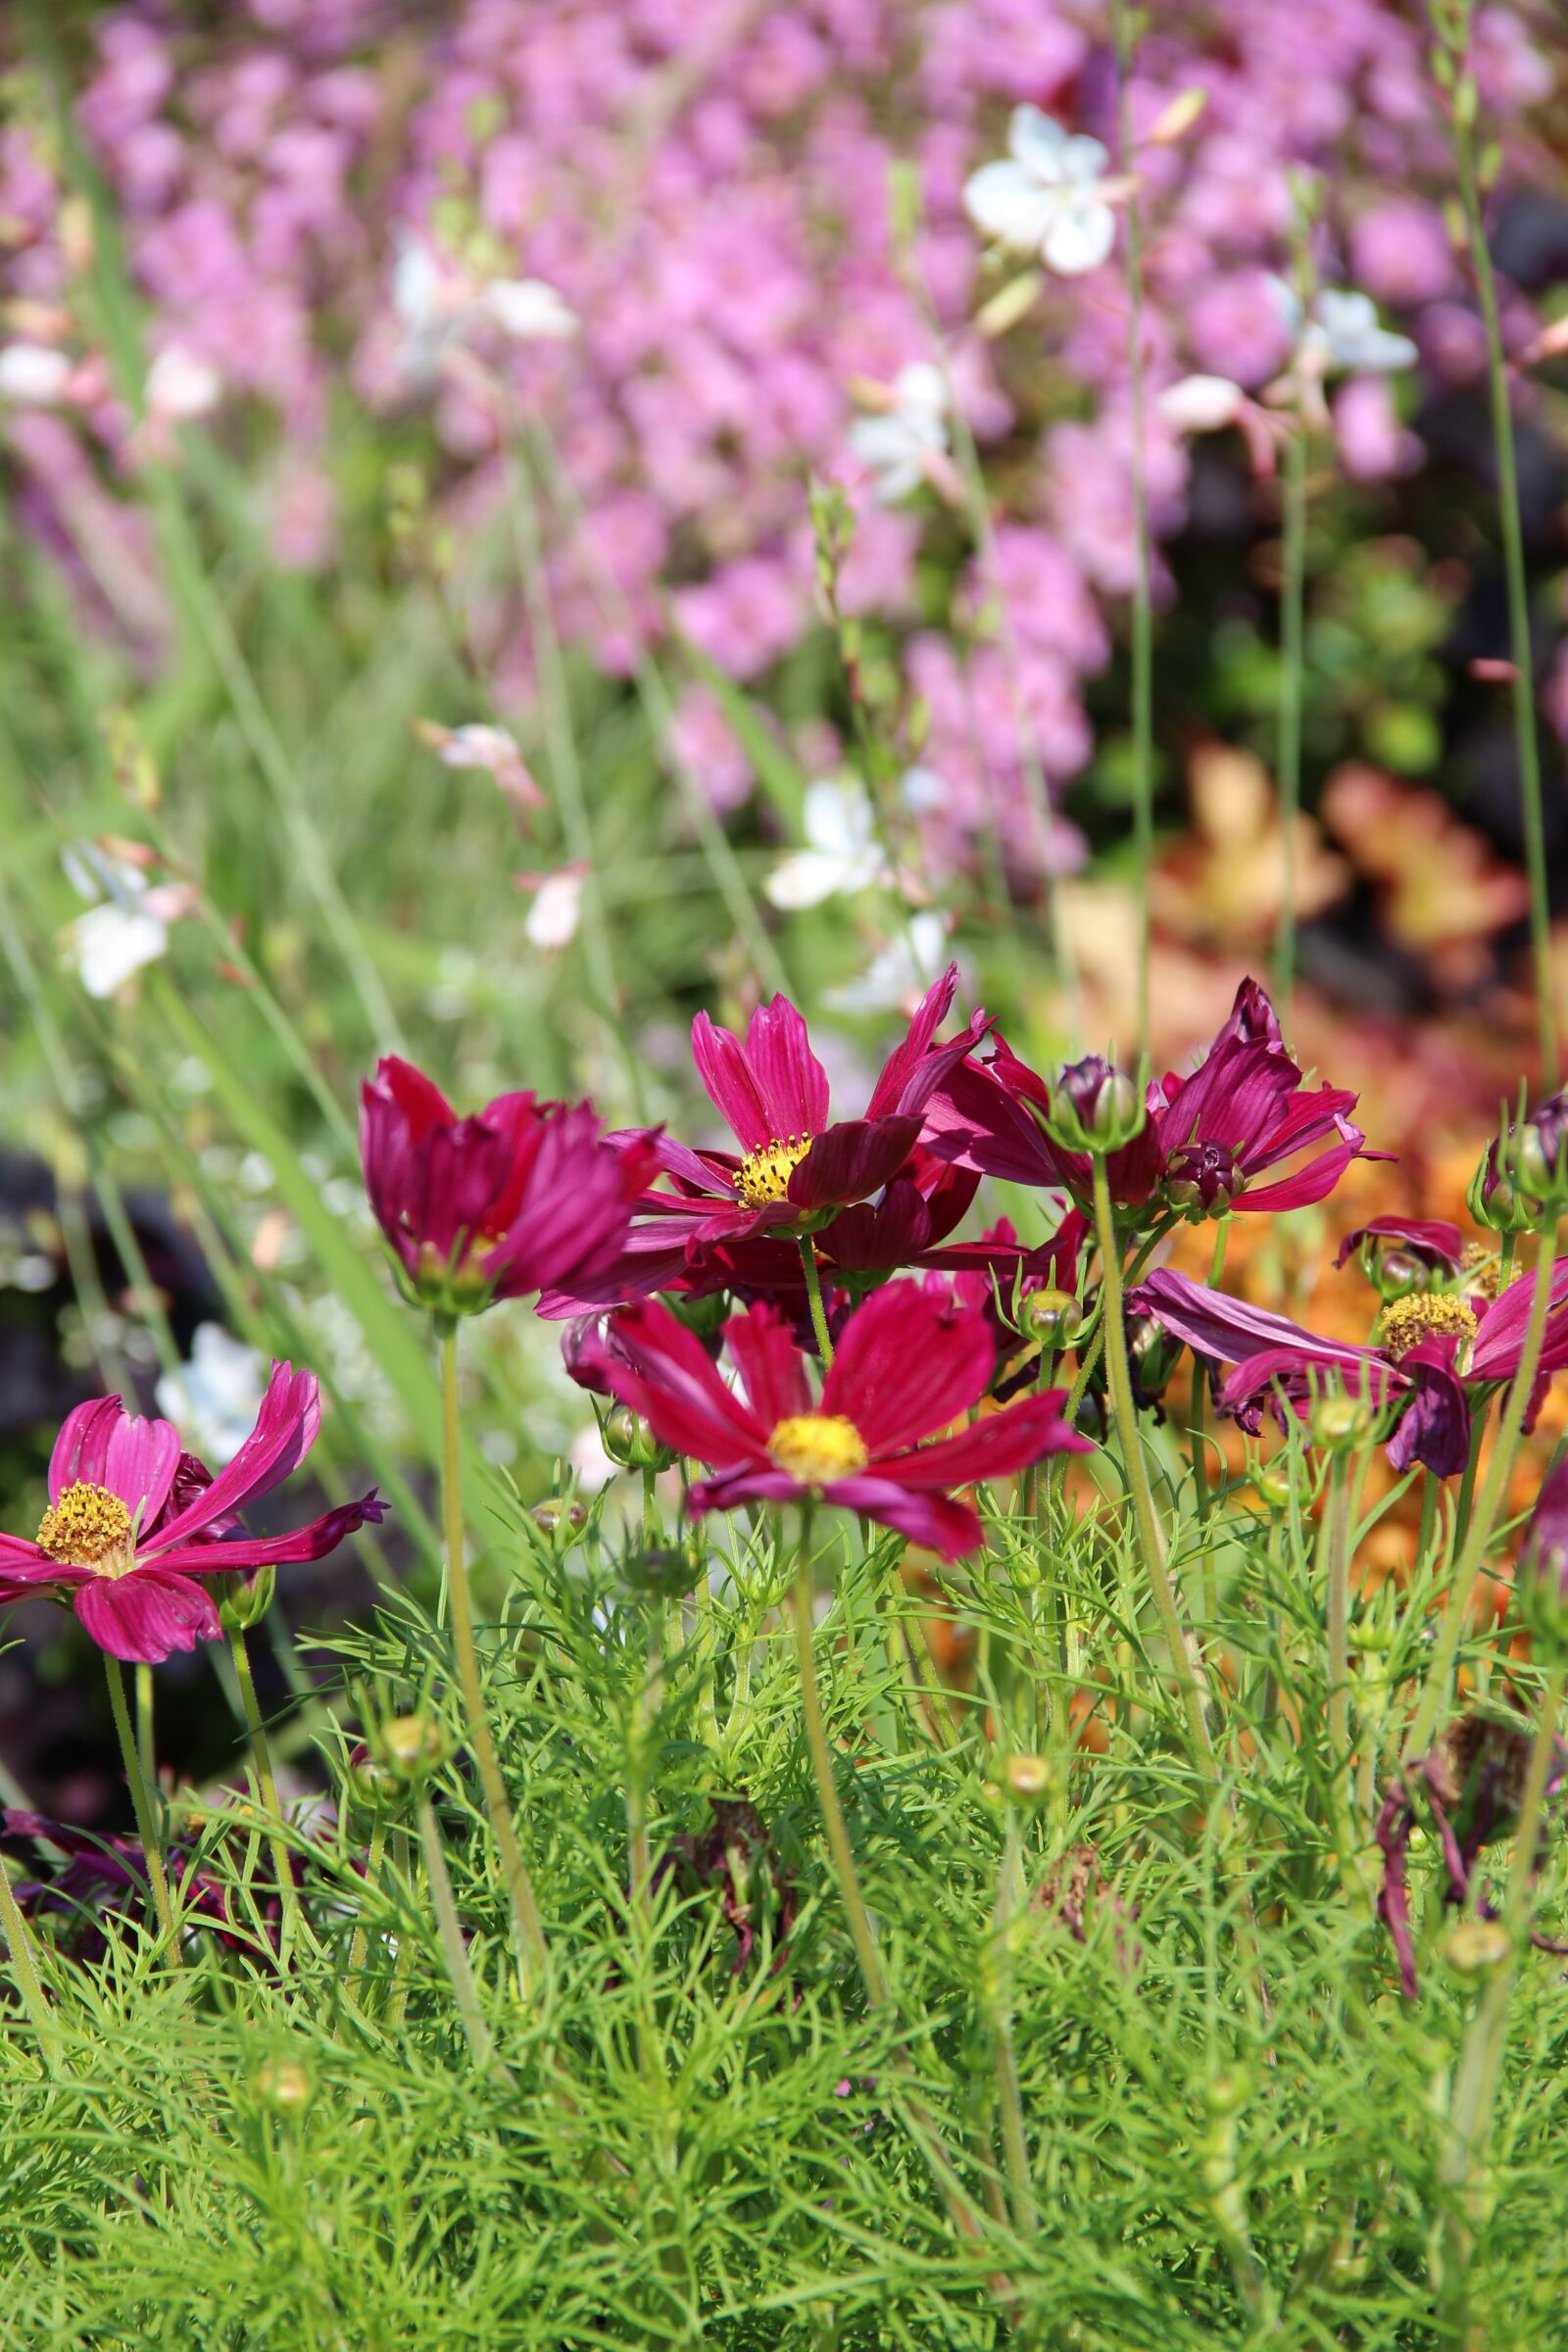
{"x":1494,"y":1487}
{"x":25,"y":1968}
{"x":861,"y":1932}
{"x":362,"y":1933}
{"x":1523,"y":683}
{"x":527,"y":1933}
{"x":293,"y":1920}
{"x":813,"y":1297}
{"x":1196,"y":1418}
{"x":998,"y":1983}
{"x":1288,"y":755}
{"x":146,"y":1745}
{"x":1150,"y":1535}
{"x":1142,"y":635}
{"x":454,"y":1950}
{"x":1335,"y":1542}
{"x":1475,"y":2089}
{"x":141,"y":1800}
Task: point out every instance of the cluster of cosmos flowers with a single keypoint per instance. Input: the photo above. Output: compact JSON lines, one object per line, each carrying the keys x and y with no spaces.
{"x":795,"y":1316}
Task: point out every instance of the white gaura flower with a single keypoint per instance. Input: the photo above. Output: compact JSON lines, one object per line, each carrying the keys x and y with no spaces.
{"x":215,"y":1396}
{"x":1048,"y":198}
{"x":126,"y":924}
{"x":490,"y":748}
{"x":895,"y":447}
{"x":557,"y":910}
{"x":529,"y":311}
{"x":33,"y":376}
{"x":1340,"y":333}
{"x":922,"y":791}
{"x":1207,"y":404}
{"x":841,"y":856}
{"x":181,"y":387}
{"x":899,"y":974}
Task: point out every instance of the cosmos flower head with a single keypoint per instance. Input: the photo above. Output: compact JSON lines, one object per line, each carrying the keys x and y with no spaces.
{"x":137,"y":1529}
{"x":911,"y":1361}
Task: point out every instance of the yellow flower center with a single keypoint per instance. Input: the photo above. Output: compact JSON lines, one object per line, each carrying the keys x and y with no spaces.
{"x":1482,"y":1269}
{"x":88,"y":1528}
{"x":764,"y":1176}
{"x":1406,"y":1322}
{"x":819,"y":1448}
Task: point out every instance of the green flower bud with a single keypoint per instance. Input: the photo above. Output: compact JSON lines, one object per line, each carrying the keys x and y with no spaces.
{"x":283,"y":2085}
{"x":1339,"y":1424}
{"x":1026,"y":1778}
{"x":629,"y":1441}
{"x":1053,"y":1317}
{"x":1476,"y":1948}
{"x":1271,"y":1482}
{"x":248,"y":1600}
{"x":661,"y":1571}
{"x":409,"y":1746}
{"x":558,"y":1512}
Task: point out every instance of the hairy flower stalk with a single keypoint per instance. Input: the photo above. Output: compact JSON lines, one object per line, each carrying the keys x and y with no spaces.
{"x":1150,"y":1533}
{"x":528,"y":1939}
{"x":293,"y":1916}
{"x":996,"y":1973}
{"x":861,"y":1932}
{"x":1494,"y":1487}
{"x":147,"y":1828}
{"x":813,"y":1299}
{"x":455,"y":1951}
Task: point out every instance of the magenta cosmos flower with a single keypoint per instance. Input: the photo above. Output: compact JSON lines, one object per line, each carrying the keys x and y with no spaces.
{"x":797,"y":1169}
{"x":911,"y":1361}
{"x":521,"y":1196}
{"x":1437,"y":1353}
{"x":1205,"y":1142}
{"x":135,"y":1529}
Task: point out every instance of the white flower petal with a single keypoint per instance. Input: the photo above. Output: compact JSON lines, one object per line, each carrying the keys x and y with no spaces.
{"x":806,"y":878}
{"x":33,"y":375}
{"x":922,"y":791}
{"x":920,"y":390}
{"x":1038,"y":142}
{"x":181,"y":387}
{"x":1009,"y":205}
{"x":93,"y":874}
{"x":1200,"y":404}
{"x":1084,"y":160}
{"x":1079,"y":239}
{"x":529,"y":311}
{"x":837,"y":818}
{"x":556,"y":911}
{"x":109,"y":943}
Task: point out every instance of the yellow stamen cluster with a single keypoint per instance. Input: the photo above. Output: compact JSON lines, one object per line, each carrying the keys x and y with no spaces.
{"x":88,"y":1528}
{"x":1406,"y":1322}
{"x":819,"y":1448}
{"x":764,"y":1175}
{"x":1480,"y":1270}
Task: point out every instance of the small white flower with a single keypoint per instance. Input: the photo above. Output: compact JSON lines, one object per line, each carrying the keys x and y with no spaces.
{"x":922,"y":791}
{"x":1341,"y":332}
{"x":529,"y":311}
{"x":33,"y":376}
{"x":557,"y":910}
{"x":1047,"y":199}
{"x":181,"y":387}
{"x":217,"y":1394}
{"x":490,"y":748}
{"x":895,"y":446}
{"x":842,"y":856}
{"x":902,"y":971}
{"x":126,"y":926}
{"x":1202,"y":404}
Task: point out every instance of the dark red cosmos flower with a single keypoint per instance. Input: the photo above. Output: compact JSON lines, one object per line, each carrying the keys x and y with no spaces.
{"x":797,"y":1169}
{"x":135,"y":1528}
{"x":1435,"y":1352}
{"x":522,"y":1196}
{"x":911,"y":1361}
{"x":1207,"y":1137}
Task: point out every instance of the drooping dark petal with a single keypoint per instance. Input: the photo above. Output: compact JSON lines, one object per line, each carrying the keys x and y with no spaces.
{"x":851,"y":1160}
{"x":876,"y":1239}
{"x":1431,"y":1238}
{"x":910,"y":1360}
{"x":1434,"y":1428}
{"x":144,"y":1616}
{"x":1215,"y":1324}
{"x":733,"y":1488}
{"x":1312,"y":1183}
{"x":939,"y":1523}
{"x":1365,"y":1374}
{"x":976,"y":1122}
{"x":310,"y":1542}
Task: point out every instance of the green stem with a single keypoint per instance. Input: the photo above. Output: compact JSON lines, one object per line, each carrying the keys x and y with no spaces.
{"x":527,"y":1933}
{"x":1143,"y":653}
{"x":141,"y":1800}
{"x":1150,"y":1533}
{"x":293,"y":1920}
{"x":813,"y":1299}
{"x":861,"y":1932}
{"x":1196,"y":1418}
{"x":998,"y":1979}
{"x":454,"y":1950}
{"x":1475,"y":2090}
{"x":25,"y":1968}
{"x":362,"y":1933}
{"x":146,"y":1745}
{"x":1513,"y":558}
{"x":1495,"y":1485}
{"x":1334,"y":1544}
{"x":1287,"y":758}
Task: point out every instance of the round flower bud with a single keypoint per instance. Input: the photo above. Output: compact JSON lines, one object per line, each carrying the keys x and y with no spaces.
{"x":248,"y":1600}
{"x":1496,"y":1203}
{"x":371,"y":1783}
{"x":1202,"y":1180}
{"x":1027,"y":1779}
{"x":1153,"y":1353}
{"x":629,"y":1441}
{"x":409,"y":1746}
{"x":1395,"y":1273}
{"x":1541,"y":1152}
{"x":1476,"y":1948}
{"x":1053,"y":1317}
{"x":661,"y":1571}
{"x":1094,"y":1106}
{"x":558,"y":1512}
{"x":283,"y":2085}
{"x":1271,"y":1482}
{"x":1339,"y":1424}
